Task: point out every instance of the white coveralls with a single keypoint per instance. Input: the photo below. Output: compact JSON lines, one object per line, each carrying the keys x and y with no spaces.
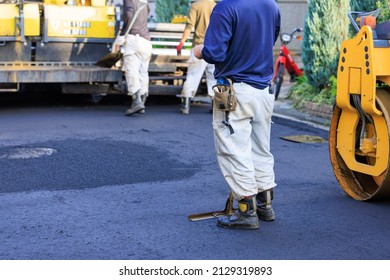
{"x":196,"y":68}
{"x":244,"y":156}
{"x":136,"y":58}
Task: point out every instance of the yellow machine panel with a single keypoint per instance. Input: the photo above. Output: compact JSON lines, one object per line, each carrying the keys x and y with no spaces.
{"x":94,"y":3}
{"x":54,"y":2}
{"x":8,"y":15}
{"x":59,"y":42}
{"x":98,"y":3}
{"x":79,"y":21}
{"x":31,"y":19}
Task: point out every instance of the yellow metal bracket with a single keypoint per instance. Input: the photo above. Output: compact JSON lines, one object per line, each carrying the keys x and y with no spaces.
{"x":360,"y":65}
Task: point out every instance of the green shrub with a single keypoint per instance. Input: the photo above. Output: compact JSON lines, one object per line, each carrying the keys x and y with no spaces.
{"x":167,"y":9}
{"x":322,"y":39}
{"x":371,"y":5}
{"x":326,"y":26}
{"x":384,"y":14}
{"x":364,"y":6}
{"x":304,"y":91}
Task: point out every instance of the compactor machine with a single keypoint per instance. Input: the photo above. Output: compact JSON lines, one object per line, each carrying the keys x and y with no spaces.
{"x":57,"y":41}
{"x":360,"y":125}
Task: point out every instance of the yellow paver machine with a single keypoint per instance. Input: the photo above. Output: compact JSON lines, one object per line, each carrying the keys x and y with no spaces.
{"x":360,"y":126}
{"x":57,"y":41}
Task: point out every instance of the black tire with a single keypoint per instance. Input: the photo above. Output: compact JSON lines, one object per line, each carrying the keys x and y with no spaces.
{"x":278,"y":81}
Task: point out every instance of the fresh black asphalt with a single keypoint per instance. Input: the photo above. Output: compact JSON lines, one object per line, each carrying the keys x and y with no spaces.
{"x":121,"y":188}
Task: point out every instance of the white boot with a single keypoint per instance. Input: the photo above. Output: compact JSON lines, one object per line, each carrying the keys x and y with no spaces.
{"x":136,"y":104}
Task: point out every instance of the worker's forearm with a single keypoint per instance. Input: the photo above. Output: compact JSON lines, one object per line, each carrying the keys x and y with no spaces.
{"x":185,"y":36}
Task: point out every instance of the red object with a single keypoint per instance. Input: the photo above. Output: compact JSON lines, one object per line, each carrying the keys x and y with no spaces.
{"x":286,"y":59}
{"x":178,"y":48}
{"x":285,"y":62}
{"x":368,"y":20}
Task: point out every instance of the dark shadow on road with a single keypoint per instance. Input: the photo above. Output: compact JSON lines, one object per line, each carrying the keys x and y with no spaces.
{"x":75,"y":164}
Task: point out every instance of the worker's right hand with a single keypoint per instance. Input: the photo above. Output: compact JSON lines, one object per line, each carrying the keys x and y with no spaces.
{"x":120,"y":40}
{"x":178,"y":48}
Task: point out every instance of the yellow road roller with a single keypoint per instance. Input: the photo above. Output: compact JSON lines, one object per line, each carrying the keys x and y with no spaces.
{"x":360,"y":125}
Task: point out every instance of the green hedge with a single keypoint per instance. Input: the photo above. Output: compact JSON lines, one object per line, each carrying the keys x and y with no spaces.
{"x":326,"y":26}
{"x":167,"y":9}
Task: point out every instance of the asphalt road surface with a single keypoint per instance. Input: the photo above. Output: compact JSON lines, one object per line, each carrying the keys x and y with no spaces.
{"x":82,"y":181}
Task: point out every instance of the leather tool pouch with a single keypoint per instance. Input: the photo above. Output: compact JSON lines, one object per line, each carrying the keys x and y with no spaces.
{"x":224,"y":96}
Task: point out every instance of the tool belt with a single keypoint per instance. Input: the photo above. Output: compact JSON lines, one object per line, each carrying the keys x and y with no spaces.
{"x":224,"y":96}
{"x":225,"y":99}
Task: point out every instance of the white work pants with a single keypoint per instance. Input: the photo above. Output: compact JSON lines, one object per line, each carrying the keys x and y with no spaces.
{"x":196,"y":68}
{"x":244,"y":157}
{"x":138,"y":52}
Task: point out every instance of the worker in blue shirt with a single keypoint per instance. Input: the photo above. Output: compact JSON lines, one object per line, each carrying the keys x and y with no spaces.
{"x":239,"y":42}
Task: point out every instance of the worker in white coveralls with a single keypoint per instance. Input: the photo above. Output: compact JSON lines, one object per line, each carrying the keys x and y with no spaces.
{"x":198,"y":18}
{"x":137,"y":52}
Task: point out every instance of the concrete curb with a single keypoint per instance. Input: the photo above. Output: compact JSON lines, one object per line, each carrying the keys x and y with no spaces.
{"x":318,"y":110}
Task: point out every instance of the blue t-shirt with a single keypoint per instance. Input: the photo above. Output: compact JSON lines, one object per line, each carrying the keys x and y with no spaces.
{"x":240,"y":40}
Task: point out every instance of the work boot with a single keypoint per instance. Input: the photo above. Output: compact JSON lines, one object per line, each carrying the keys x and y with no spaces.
{"x":245,"y":216}
{"x":136,"y":104}
{"x":185,"y":105}
{"x":143,"y":99}
{"x":264,"y":205}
